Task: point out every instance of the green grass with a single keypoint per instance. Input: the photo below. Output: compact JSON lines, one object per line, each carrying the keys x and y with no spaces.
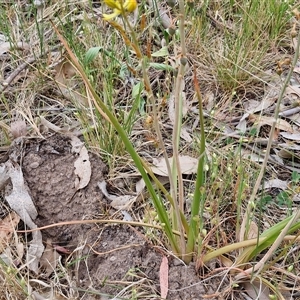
{"x":236,"y":38}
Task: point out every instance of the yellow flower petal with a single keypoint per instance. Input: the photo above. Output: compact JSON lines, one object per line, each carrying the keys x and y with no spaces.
{"x":120,"y":7}
{"x":130,"y":5}
{"x":113,"y":4}
{"x":111,"y":16}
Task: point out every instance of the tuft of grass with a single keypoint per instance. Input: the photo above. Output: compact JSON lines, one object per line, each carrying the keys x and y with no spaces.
{"x":13,"y":284}
{"x":236,"y":39}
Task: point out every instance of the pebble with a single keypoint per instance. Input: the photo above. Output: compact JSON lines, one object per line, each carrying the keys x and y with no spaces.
{"x":177,"y":262}
{"x":34,"y":165}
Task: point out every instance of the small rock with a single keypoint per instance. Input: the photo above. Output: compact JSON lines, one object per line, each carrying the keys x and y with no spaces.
{"x":34,"y":165}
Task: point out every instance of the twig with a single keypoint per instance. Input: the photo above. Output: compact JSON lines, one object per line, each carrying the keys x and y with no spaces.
{"x":289,"y":112}
{"x":23,"y":66}
{"x":16,"y":72}
{"x":80,"y":222}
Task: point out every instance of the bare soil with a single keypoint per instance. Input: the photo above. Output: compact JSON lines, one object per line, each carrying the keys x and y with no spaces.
{"x":106,"y":259}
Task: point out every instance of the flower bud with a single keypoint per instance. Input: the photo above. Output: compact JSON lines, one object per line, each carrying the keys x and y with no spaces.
{"x":183,"y":61}
{"x":171,"y":3}
{"x":191,"y":3}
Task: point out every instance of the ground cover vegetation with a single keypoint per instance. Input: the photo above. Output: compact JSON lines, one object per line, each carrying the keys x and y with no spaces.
{"x":171,"y":131}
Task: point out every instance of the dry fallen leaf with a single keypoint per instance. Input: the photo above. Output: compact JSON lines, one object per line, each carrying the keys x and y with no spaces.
{"x":188,"y":165}
{"x":7,"y":46}
{"x":209,"y":100}
{"x":54,"y":127}
{"x":286,"y":154}
{"x":126,"y":216}
{"x":20,"y":248}
{"x":257,"y":290}
{"x":289,"y":146}
{"x":247,"y":154}
{"x":253,"y":231}
{"x":65,"y":78}
{"x":291,"y":136}
{"x":293,"y":89}
{"x":164,"y":18}
{"x":7,"y":228}
{"x":242,"y":125}
{"x":253,"y":106}
{"x":35,"y":251}
{"x":276,"y":183}
{"x":20,"y":201}
{"x":140,"y":185}
{"x":226,"y":261}
{"x":7,"y":257}
{"x":47,"y":294}
{"x":185,"y":135}
{"x":82,"y":164}
{"x":264,"y":120}
{"x":122,"y":202}
{"x":49,"y":259}
{"x":164,"y":278}
{"x":4,"y":177}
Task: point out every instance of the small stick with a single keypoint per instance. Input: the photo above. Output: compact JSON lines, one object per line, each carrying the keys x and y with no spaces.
{"x":15,"y":73}
{"x":23,"y":66}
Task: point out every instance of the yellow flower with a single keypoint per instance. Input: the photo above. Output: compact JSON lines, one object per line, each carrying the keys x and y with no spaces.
{"x":112,"y":3}
{"x":120,"y":7}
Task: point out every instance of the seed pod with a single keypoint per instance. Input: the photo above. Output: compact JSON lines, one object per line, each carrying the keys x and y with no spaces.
{"x":279,"y":70}
{"x":171,"y":30}
{"x":191,"y":3}
{"x":183,"y":61}
{"x":171,"y":3}
{"x":294,"y":31}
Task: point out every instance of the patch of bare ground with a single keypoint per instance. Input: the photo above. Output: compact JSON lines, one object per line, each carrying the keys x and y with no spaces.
{"x":48,"y":167}
{"x":124,"y":262}
{"x":101,"y":261}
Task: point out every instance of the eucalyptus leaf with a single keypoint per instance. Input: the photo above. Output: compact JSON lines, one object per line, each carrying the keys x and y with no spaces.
{"x":161,"y":52}
{"x":161,"y":67}
{"x":136,"y":90}
{"x":91,"y":54}
{"x":123,"y":71}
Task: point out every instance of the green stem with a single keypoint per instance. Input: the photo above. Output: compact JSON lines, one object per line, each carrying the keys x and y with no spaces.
{"x":196,"y":223}
{"x":176,"y":169}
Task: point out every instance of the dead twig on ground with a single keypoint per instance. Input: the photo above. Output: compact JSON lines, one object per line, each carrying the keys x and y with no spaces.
{"x":23,"y":66}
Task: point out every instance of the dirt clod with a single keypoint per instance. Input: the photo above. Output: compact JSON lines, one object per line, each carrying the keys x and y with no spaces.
{"x":48,"y":168}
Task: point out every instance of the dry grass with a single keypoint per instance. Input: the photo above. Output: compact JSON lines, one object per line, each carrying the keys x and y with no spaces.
{"x":233,"y":45}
